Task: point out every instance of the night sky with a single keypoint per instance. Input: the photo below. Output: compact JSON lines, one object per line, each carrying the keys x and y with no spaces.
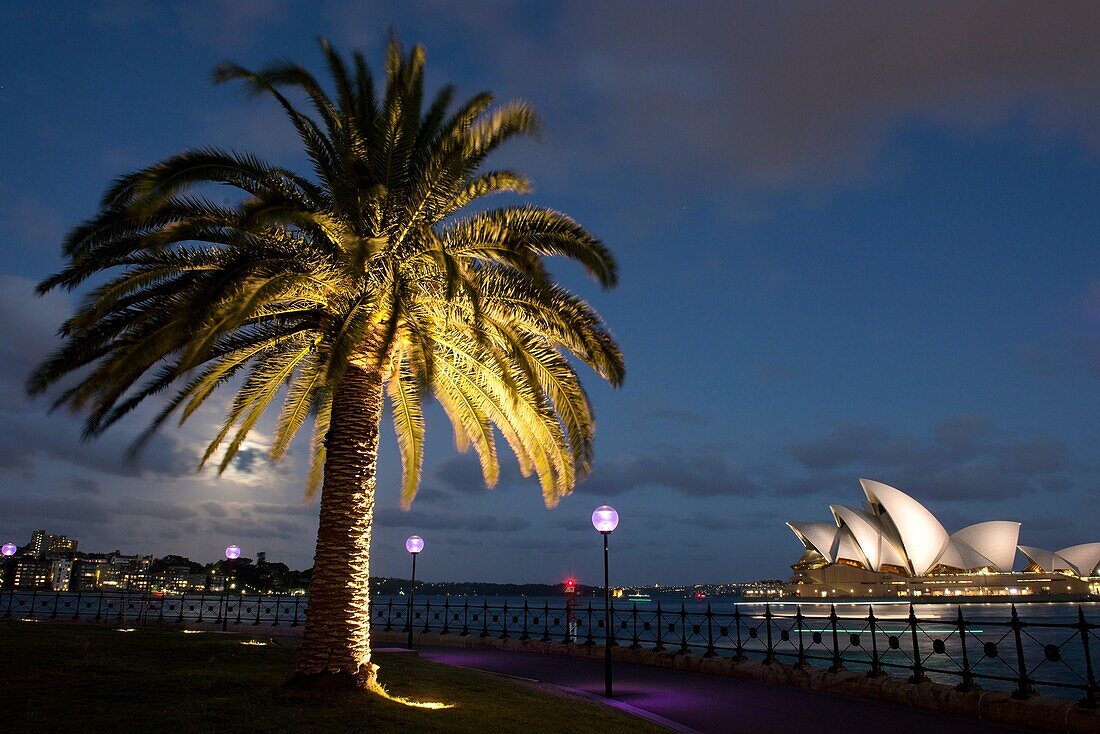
{"x":855,"y":239}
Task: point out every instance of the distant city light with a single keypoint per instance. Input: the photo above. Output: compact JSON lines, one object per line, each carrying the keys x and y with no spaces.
{"x":605,"y":519}
{"x":233,"y":552}
{"x":414,"y":544}
{"x":8,"y":549}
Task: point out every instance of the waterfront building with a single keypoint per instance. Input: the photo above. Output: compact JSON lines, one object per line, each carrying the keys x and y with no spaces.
{"x":45,"y":544}
{"x":175,"y":579}
{"x":61,"y":572}
{"x":87,"y":574}
{"x":894,"y":547}
{"x":32,"y":573}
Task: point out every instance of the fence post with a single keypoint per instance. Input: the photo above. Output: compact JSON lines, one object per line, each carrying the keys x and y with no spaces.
{"x":34,"y":600}
{"x":683,"y":629}
{"x":446,"y":616}
{"x":836,"y":666}
{"x":427,"y":613}
{"x":770,"y":655}
{"x":634,"y":644}
{"x":524,"y":635}
{"x":465,"y":618}
{"x":294,"y":622}
{"x":80,"y":593}
{"x":739,"y":655}
{"x":485,"y":619}
{"x":801,"y":647}
{"x":610,"y":626}
{"x":504,"y":630}
{"x":660,"y":629}
{"x":389,"y":615}
{"x":11,"y":594}
{"x":1023,"y":685}
{"x":967,"y":675}
{"x":545,"y":622}
{"x":589,"y":641}
{"x":1089,"y":701}
{"x":876,"y":666}
{"x":918,"y":669}
{"x":56,"y":598}
{"x":710,"y":633}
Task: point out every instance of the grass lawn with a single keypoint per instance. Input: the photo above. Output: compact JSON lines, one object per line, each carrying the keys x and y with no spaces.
{"x":66,"y":677}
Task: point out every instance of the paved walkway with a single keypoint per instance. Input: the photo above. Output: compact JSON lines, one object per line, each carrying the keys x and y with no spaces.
{"x":716,"y":704}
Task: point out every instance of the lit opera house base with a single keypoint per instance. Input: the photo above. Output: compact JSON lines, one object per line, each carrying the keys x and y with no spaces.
{"x":839,"y":581}
{"x":893,"y":547}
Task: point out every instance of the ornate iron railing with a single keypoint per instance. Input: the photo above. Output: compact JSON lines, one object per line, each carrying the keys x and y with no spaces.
{"x":992,"y":649}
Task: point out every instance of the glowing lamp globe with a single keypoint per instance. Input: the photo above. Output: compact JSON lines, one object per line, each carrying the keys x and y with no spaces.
{"x":8,"y":549}
{"x":414,"y":544}
{"x":605,"y":519}
{"x":233,"y":552}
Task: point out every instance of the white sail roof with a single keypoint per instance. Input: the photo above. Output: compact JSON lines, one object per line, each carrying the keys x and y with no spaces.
{"x":1047,"y":560}
{"x":868,"y":532}
{"x":845,"y":546}
{"x":923,"y":538}
{"x":995,"y":540}
{"x":816,"y":536}
{"x":959,"y":554}
{"x":1085,"y":558}
{"x":897,"y":531}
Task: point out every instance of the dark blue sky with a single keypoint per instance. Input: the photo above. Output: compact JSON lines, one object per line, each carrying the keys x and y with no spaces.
{"x":855,"y":240}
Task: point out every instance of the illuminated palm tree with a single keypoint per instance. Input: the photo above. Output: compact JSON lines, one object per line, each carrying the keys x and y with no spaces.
{"x":327,"y":294}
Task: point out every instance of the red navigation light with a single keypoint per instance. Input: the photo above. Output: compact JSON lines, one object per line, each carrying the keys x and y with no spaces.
{"x":570,"y":583}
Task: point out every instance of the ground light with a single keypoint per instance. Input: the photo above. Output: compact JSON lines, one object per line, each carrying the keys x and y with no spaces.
{"x":605,"y":520}
{"x":414,"y":544}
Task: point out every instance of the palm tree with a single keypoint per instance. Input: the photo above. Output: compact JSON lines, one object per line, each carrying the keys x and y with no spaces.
{"x":372,"y":278}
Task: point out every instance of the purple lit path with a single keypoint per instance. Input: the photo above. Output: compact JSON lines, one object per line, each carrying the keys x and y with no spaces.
{"x":718,"y":705}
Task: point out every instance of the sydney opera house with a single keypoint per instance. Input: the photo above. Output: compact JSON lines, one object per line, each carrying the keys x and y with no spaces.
{"x":894,"y":547}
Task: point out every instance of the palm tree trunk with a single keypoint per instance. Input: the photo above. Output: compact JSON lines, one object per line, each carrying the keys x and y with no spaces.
{"x":335,"y":650}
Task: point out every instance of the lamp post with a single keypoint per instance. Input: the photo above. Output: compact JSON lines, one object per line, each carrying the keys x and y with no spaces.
{"x":7,"y":551}
{"x":232,"y":553}
{"x":605,"y":520}
{"x":414,"y":544}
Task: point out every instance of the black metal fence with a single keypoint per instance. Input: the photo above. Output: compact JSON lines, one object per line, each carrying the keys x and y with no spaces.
{"x":996,"y":649}
{"x":999,"y":652}
{"x":140,"y":608}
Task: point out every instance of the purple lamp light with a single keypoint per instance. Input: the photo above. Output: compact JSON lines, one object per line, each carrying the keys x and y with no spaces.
{"x":605,"y":519}
{"x":233,"y":552}
{"x":414,"y":544}
{"x":8,"y":549}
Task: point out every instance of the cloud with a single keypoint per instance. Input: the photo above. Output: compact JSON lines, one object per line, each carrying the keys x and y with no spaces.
{"x":461,"y":474}
{"x":36,"y":511}
{"x":83,"y":485}
{"x":691,"y":472}
{"x":159,"y":509}
{"x":965,"y":457}
{"x":764,"y":99}
{"x":388,"y":517}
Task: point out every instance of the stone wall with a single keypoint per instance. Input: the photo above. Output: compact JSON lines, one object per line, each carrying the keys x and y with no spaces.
{"x":1037,"y":712}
